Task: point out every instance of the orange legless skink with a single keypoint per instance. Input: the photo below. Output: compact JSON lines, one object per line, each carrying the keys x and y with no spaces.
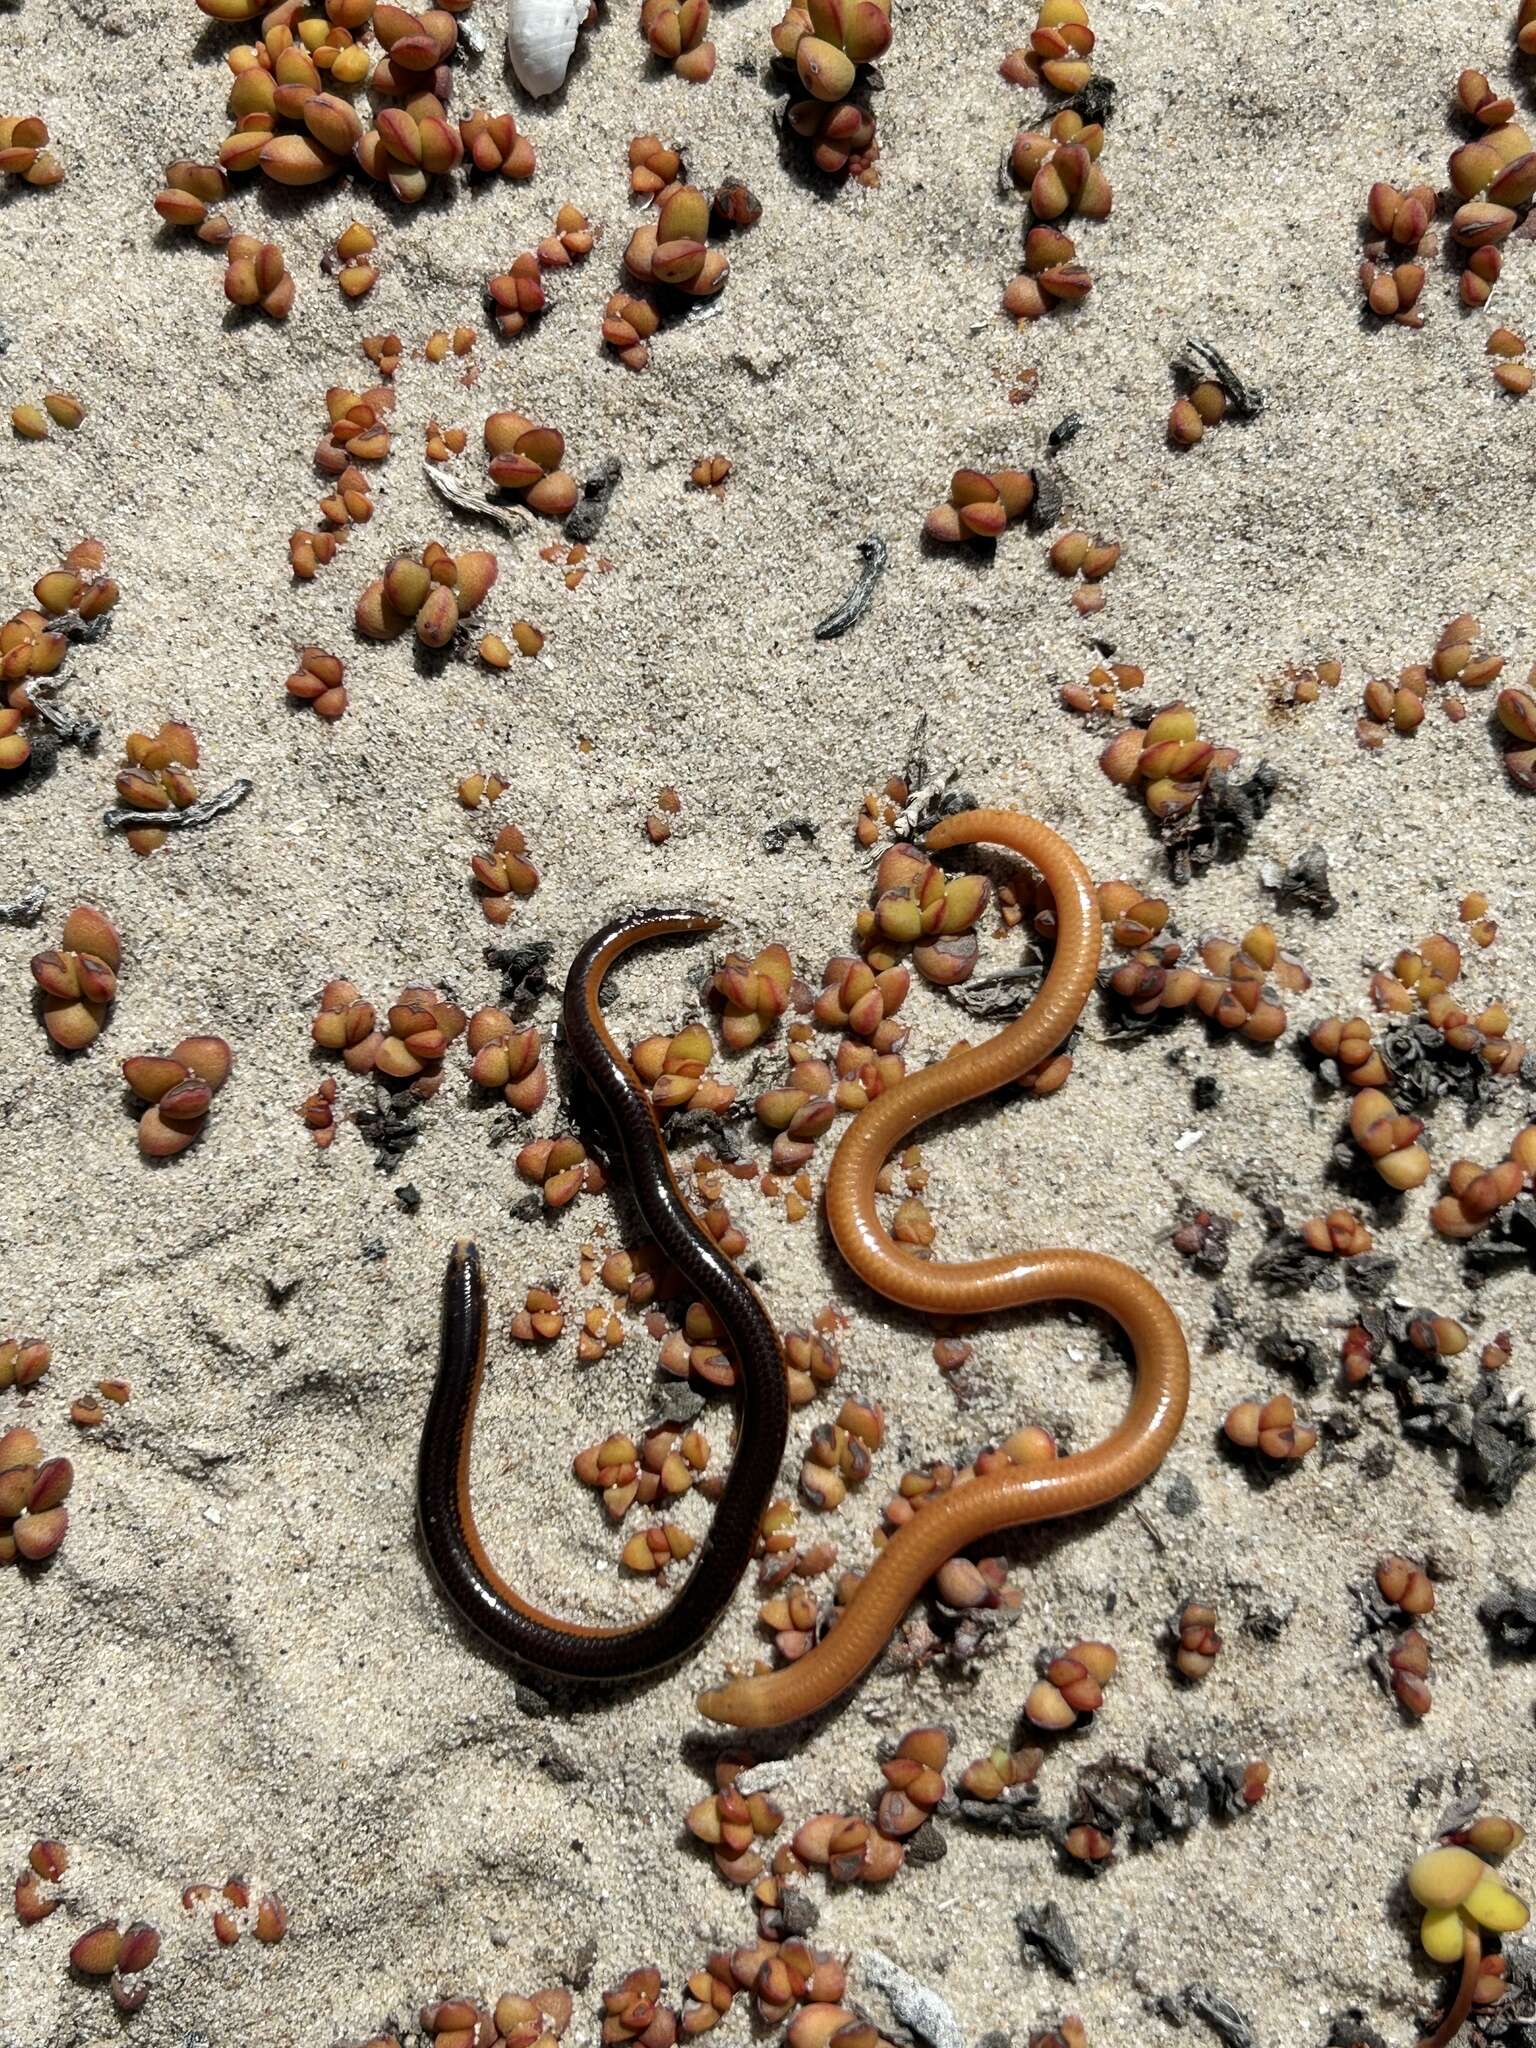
{"x":997,"y":1500}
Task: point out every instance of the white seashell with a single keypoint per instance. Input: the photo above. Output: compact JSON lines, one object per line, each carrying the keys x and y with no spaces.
{"x":541,"y":35}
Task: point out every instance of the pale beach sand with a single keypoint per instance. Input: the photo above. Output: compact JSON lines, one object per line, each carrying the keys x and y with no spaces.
{"x":237,"y":1662}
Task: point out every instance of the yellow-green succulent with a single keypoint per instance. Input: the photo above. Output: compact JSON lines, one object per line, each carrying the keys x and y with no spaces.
{"x":1460,"y":1894}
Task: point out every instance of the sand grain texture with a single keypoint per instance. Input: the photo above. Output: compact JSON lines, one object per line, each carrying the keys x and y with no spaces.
{"x":237,"y":1662}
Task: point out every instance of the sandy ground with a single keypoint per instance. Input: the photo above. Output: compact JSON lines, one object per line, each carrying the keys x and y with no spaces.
{"x":237,"y":1662}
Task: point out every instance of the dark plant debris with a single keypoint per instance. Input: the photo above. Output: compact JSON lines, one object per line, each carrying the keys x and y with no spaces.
{"x":955,"y":1639}
{"x":1302,"y":1359}
{"x":721,"y":1133}
{"x":1043,"y":1932}
{"x":1511,"y":1235}
{"x":1302,"y":884}
{"x":1427,"y":1070}
{"x":1050,"y":493}
{"x":1220,"y":823}
{"x":27,"y":908}
{"x":778,"y":836}
{"x":1348,"y":2030}
{"x":391,"y":1127}
{"x":1267,"y":1620}
{"x":1096,"y":101}
{"x":1510,"y":1619}
{"x":522,"y":970}
{"x":929,"y":1845}
{"x":1512,"y":2022}
{"x":506,"y":1129}
{"x":1225,"y":1323}
{"x":1489,"y":1429}
{"x":596,"y":497}
{"x":1204,"y":1238}
{"x":1368,"y":1275}
{"x":677,"y":1404}
{"x":1161,"y":1799}
{"x":64,"y":728}
{"x":1380,"y":1460}
{"x":1016,"y":1813}
{"x":1138,"y":1806}
{"x":1181,"y":1500}
{"x":1469,"y":1796}
{"x":1287,"y":1264}
{"x":1199,"y":2002}
{"x":79,"y":632}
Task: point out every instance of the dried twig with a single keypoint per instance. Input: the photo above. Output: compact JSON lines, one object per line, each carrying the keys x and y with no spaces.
{"x":80,"y":732}
{"x":1007,"y":993}
{"x":933,"y":792}
{"x":1199,"y":361}
{"x":78,"y":631}
{"x":510,"y":518}
{"x":874,"y":554}
{"x":923,"y":2012}
{"x":123,"y":817}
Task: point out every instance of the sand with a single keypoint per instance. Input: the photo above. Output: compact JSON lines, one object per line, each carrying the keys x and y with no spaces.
{"x":237,"y":1662}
